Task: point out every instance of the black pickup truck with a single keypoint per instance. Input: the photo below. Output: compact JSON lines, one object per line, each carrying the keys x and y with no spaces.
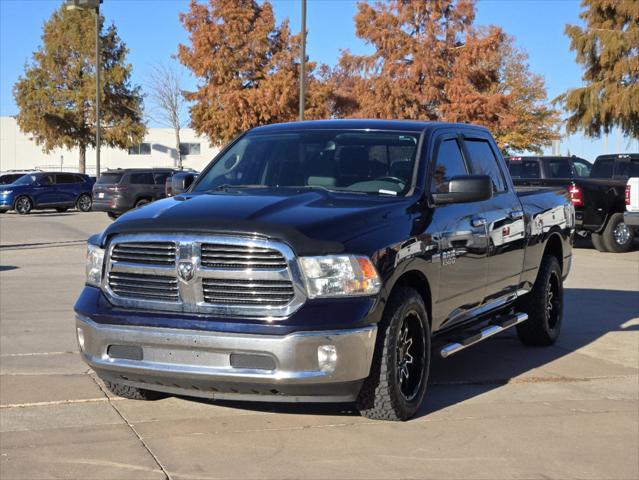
{"x":600,"y":202}
{"x":597,"y":192}
{"x":547,"y":170}
{"x":325,"y":261}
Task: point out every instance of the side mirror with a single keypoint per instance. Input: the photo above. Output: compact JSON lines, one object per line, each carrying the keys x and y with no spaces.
{"x":180,"y":182}
{"x":466,"y":189}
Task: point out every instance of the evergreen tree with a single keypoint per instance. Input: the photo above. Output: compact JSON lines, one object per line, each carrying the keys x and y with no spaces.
{"x":56,"y":94}
{"x":608,"y":49}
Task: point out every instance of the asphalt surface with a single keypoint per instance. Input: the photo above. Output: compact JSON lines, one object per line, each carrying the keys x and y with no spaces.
{"x":498,"y":410}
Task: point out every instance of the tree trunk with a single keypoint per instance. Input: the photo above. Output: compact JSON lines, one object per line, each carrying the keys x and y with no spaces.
{"x":83,"y":158}
{"x":177,"y":146}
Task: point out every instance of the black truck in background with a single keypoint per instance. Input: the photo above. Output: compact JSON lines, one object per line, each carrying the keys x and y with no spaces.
{"x":599,"y":198}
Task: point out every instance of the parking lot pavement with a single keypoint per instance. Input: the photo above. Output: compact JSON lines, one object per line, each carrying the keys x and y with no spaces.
{"x":499,"y":410}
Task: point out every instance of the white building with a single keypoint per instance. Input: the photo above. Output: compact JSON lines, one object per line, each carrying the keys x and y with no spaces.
{"x":18,"y":151}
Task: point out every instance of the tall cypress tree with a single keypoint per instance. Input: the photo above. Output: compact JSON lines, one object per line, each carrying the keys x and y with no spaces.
{"x":56,"y":94}
{"x":608,"y":49}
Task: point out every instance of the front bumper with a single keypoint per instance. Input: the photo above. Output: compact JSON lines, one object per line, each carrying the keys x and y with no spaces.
{"x":631,"y":219}
{"x":230,"y":365}
{"x":6,"y":201}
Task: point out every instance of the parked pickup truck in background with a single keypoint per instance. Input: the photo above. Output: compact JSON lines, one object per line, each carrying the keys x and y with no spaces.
{"x":631,"y":215}
{"x":325,"y":261}
{"x":558,"y":171}
{"x":600,"y":202}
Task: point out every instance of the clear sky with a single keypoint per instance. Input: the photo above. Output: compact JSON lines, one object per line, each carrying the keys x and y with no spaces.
{"x":152,"y":31}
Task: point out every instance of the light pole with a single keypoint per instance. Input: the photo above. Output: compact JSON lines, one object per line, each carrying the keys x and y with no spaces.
{"x":303,"y":61}
{"x":95,"y":6}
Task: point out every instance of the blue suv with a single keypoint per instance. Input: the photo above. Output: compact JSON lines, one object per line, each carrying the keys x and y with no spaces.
{"x":41,"y":190}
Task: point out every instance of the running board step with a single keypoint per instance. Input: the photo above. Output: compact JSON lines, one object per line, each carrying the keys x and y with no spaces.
{"x":497,"y":326}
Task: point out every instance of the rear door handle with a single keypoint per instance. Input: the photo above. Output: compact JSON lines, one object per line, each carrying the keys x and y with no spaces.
{"x":516,"y":214}
{"x":478,"y":222}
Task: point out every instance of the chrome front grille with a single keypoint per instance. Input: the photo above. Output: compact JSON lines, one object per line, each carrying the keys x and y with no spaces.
{"x":138,"y":285}
{"x":247,"y":292}
{"x":232,"y":276}
{"x":234,"y":256}
{"x":153,"y":253}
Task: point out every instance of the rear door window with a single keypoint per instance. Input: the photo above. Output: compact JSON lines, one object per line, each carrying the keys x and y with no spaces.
{"x":603,"y":168}
{"x":65,"y":178}
{"x":524,"y":168}
{"x":47,"y":180}
{"x":109,"y":178}
{"x":559,"y":168}
{"x":142,"y":179}
{"x":160,"y":178}
{"x":449,"y":163}
{"x":484,"y":162}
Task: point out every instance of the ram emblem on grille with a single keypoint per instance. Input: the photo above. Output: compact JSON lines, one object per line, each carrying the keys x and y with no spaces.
{"x":186,"y":271}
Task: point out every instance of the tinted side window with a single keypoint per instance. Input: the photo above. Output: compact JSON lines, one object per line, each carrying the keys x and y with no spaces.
{"x":483,"y":162}
{"x":524,"y":169}
{"x":559,"y":168}
{"x":46,"y":180}
{"x":603,"y":168}
{"x":65,"y":178}
{"x":449,"y":163}
{"x":626,"y":169}
{"x":160,"y":178}
{"x":142,"y":179}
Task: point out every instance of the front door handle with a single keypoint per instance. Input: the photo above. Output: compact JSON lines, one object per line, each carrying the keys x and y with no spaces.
{"x":478,"y":222}
{"x":516,"y":214}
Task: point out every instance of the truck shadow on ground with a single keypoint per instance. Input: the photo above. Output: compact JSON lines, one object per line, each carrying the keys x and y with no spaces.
{"x":589,"y":314}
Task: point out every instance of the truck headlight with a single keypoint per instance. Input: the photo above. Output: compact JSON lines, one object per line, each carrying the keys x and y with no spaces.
{"x":94,"y":264}
{"x":339,"y":276}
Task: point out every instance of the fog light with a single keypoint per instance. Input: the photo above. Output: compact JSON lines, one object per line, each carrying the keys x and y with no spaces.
{"x":327,"y":358}
{"x":81,"y":339}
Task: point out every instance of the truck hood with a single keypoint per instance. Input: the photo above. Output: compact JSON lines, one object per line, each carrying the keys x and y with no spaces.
{"x":311,"y":221}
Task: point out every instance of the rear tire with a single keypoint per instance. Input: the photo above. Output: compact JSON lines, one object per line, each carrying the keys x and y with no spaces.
{"x":23,"y":205}
{"x":544,"y":306}
{"x":396,"y":386}
{"x":133,"y":393}
{"x":617,"y":236}
{"x":598,"y":242}
{"x":142,"y":202}
{"x":112,"y":215}
{"x":84,"y":203}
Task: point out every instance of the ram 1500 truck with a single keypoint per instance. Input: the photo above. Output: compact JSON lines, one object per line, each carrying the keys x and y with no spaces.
{"x":325,"y":261}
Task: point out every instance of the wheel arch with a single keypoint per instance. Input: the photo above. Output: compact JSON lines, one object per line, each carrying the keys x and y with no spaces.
{"x":18,"y":197}
{"x":554,"y":246}
{"x":416,"y":280}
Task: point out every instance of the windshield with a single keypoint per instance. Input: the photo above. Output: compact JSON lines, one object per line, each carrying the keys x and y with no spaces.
{"x":109,"y":178}
{"x":339,"y":160}
{"x":25,"y":180}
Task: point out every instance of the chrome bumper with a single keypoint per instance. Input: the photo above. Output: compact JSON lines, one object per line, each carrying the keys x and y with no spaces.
{"x":200,"y":363}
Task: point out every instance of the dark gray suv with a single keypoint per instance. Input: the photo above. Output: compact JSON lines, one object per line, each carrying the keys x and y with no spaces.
{"x":118,"y":191}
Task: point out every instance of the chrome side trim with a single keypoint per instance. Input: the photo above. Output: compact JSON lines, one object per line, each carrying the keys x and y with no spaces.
{"x":191,"y":296}
{"x":484,"y":333}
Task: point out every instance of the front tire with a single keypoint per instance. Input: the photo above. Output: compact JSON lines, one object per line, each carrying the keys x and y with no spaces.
{"x":396,"y":386}
{"x":133,"y":393}
{"x":142,"y":202}
{"x":544,"y":306}
{"x":23,"y":205}
{"x":617,"y":236}
{"x":84,"y":203}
